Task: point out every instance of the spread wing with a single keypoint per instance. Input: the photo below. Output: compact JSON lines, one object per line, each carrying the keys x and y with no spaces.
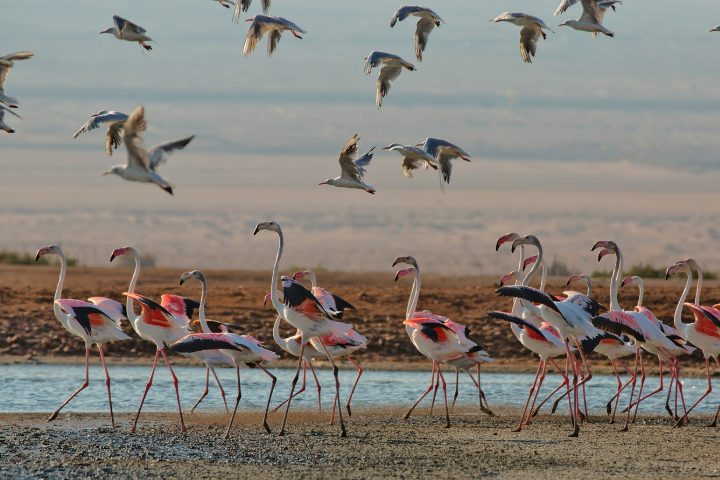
{"x":590,"y":11}
{"x":134,"y":126}
{"x":422,"y":33}
{"x":564,"y":5}
{"x":387,"y":75}
{"x":126,"y":25}
{"x":113,"y":137}
{"x":159,"y":153}
{"x":6,"y":63}
{"x":99,"y":119}
{"x":528,"y":43}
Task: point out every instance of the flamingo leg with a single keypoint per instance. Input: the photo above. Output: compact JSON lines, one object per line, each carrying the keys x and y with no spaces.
{"x":447,"y":411}
{"x":147,"y":387}
{"x":302,"y":389}
{"x":317,"y":384}
{"x":222,"y":391}
{"x":292,"y":387}
{"x":638,"y":357}
{"x":530,"y":395}
{"x":343,"y":433}
{"x":673,"y":373}
{"x":707,"y":392}
{"x":432,"y":381}
{"x":437,"y":385}
{"x":642,"y":384}
{"x":619,"y":392}
{"x":457,"y":381}
{"x":537,"y":393}
{"x":82,"y":387}
{"x":654,"y":392}
{"x":177,"y":391}
{"x":207,"y":385}
{"x":107,"y":382}
{"x":481,"y":395}
{"x":585,"y":378}
{"x":569,"y":361}
{"x":237,"y":400}
{"x":357,"y":379}
{"x":717,"y":413}
{"x":608,"y":406}
{"x":562,"y":384}
{"x":267,"y":406}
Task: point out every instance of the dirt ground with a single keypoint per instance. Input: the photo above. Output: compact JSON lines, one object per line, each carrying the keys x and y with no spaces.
{"x":379,"y":445}
{"x":30,"y":332}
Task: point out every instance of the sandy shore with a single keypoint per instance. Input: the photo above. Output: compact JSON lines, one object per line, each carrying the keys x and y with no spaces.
{"x":380,"y":445}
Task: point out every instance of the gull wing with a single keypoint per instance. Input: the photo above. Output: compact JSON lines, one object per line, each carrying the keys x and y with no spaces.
{"x":159,"y":153}
{"x":134,"y":126}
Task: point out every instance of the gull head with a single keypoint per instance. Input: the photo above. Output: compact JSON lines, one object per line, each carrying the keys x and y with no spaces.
{"x":114,"y":170}
{"x":329,"y":181}
{"x":569,"y":23}
{"x":391,"y":146}
{"x":107,"y":30}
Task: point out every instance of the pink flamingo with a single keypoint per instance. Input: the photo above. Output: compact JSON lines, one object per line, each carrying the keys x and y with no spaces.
{"x":704,"y":332}
{"x":96,"y":322}
{"x":303,"y":311}
{"x":431,"y":335}
{"x":240,"y":348}
{"x":155,"y":324}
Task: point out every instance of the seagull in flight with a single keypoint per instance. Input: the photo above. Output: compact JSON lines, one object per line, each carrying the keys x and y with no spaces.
{"x":126,"y":30}
{"x":352,"y":170}
{"x":274,"y":26}
{"x":116,"y":121}
{"x":142,"y":163}
{"x":428,"y":21}
{"x":392,"y":66}
{"x":444,"y":152}
{"x":243,"y":5}
{"x":225,"y":3}
{"x":6,"y":63}
{"x":414,"y":157}
{"x":531,"y":31}
{"x":4,"y":126}
{"x":590,"y":20}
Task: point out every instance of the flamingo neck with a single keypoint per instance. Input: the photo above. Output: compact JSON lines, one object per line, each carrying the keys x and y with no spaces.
{"x":58,"y":290}
{"x":529,"y":305}
{"x":698,"y":287}
{"x":589,"y":286}
{"x":543,"y":277}
{"x":414,"y":295}
{"x":129,"y":304}
{"x":276,"y":332}
{"x":279,"y":306}
{"x":201,"y":312}
{"x":614,"y":279}
{"x":313,"y":279}
{"x":641,"y":291}
{"x":677,"y":320}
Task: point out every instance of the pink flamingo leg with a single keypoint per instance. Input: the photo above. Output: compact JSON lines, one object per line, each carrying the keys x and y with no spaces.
{"x":237,"y":400}
{"x":444,"y":386}
{"x":707,"y":392}
{"x":481,"y":395}
{"x":273,"y":378}
{"x":317,"y":384}
{"x":82,"y":387}
{"x":537,"y":393}
{"x":292,"y":387}
{"x":107,"y":383}
{"x":457,"y":381}
{"x":207,"y":385}
{"x":562,"y":384}
{"x":357,"y":379}
{"x":638,"y":361}
{"x":222,"y":391}
{"x":673,"y":373}
{"x":642,"y":384}
{"x":570,"y":362}
{"x":437,"y":386}
{"x":717,"y":413}
{"x":177,"y":391}
{"x":530,"y":395}
{"x":343,"y":432}
{"x":302,"y":389}
{"x":147,"y":387}
{"x":432,"y":381}
{"x":585,"y":378}
{"x":654,"y":392}
{"x":619,"y":392}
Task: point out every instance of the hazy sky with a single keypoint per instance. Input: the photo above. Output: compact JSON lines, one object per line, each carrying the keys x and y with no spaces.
{"x":587,"y":141}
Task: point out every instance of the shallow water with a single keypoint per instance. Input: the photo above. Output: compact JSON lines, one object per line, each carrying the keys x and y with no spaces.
{"x":41,"y":388}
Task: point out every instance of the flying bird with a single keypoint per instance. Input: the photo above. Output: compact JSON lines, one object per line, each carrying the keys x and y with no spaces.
{"x":274,"y":26}
{"x":716,"y":29}
{"x":126,"y":30}
{"x":352,"y":169}
{"x":602,"y":4}
{"x":141,"y":164}
{"x":225,"y":3}
{"x":531,"y":31}
{"x":590,"y":20}
{"x":392,"y":66}
{"x":4,"y":126}
{"x":444,"y":152}
{"x":428,"y":21}
{"x":6,"y":63}
{"x":414,"y":157}
{"x":243,"y":5}
{"x":116,"y":121}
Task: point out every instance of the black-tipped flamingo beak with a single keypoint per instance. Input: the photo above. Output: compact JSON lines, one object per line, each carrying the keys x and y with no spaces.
{"x":257,"y":229}
{"x":112,"y":257}
{"x":37,"y":256}
{"x":397,"y":276}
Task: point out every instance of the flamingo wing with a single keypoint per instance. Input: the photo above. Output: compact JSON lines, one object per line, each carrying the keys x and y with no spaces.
{"x":705,"y":320}
{"x":530,"y":294}
{"x":180,"y":307}
{"x":303,"y":301}
{"x":152,"y":312}
{"x":114,"y":310}
{"x":619,"y":323}
{"x":531,"y":329}
{"x":198,"y":342}
{"x":437,"y":332}
{"x":89,"y":316}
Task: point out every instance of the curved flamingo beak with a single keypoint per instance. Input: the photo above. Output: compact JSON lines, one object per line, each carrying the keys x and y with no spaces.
{"x":267,"y":298}
{"x":504,"y":239}
{"x":529,"y":261}
{"x":573,"y":278}
{"x":626,"y":281}
{"x":603,"y":252}
{"x":116,"y":253}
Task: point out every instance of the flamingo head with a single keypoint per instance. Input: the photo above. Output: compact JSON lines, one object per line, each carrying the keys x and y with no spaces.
{"x":407,"y":261}
{"x":680,"y":266}
{"x":404,"y":272}
{"x":271,"y":225}
{"x":604,"y":252}
{"x":576,"y":278}
{"x":509,"y":278}
{"x":49,"y":250}
{"x":526,"y":240}
{"x":509,"y":237}
{"x":608,"y":244}
{"x":529,"y":261}
{"x":197,"y":274}
{"x":124,"y":251}
{"x":267,"y":298}
{"x":634,"y":280}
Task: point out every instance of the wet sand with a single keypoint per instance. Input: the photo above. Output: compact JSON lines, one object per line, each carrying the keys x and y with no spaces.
{"x":379,"y":445}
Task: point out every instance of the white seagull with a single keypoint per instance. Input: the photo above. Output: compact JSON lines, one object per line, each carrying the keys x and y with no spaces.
{"x":142,"y":163}
{"x":243,"y":5}
{"x":716,"y":29}
{"x":352,"y":170}
{"x":4,"y":126}
{"x":414,"y":157}
{"x":113,"y":137}
{"x":392,"y":66}
{"x":590,"y":20}
{"x":602,"y":4}
{"x":444,"y":152}
{"x":274,"y":26}
{"x":532,"y":30}
{"x":6,"y":63}
{"x":428,"y":21}
{"x":127,"y":30}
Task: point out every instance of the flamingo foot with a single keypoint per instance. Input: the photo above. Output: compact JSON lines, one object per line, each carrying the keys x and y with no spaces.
{"x":487,"y":411}
{"x":576,"y":431}
{"x":347,"y":407}
{"x":266,"y":427}
{"x":52,"y":417}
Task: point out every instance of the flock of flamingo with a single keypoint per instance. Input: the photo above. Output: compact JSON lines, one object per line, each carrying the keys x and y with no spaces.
{"x":572,"y":325}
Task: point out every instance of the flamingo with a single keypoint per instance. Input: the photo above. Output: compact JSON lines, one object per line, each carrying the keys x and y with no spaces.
{"x":97,"y":321}
{"x":645,"y":333}
{"x":432,"y":335}
{"x":571,"y":317}
{"x":155,"y":324}
{"x":274,"y":26}
{"x":392,"y":67}
{"x":352,"y":169}
{"x":532,"y":30}
{"x":338,"y":345}
{"x":703,"y":332}
{"x":303,"y":311}
{"x":428,"y":21}
{"x":240,"y":348}
{"x":123,"y":29}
